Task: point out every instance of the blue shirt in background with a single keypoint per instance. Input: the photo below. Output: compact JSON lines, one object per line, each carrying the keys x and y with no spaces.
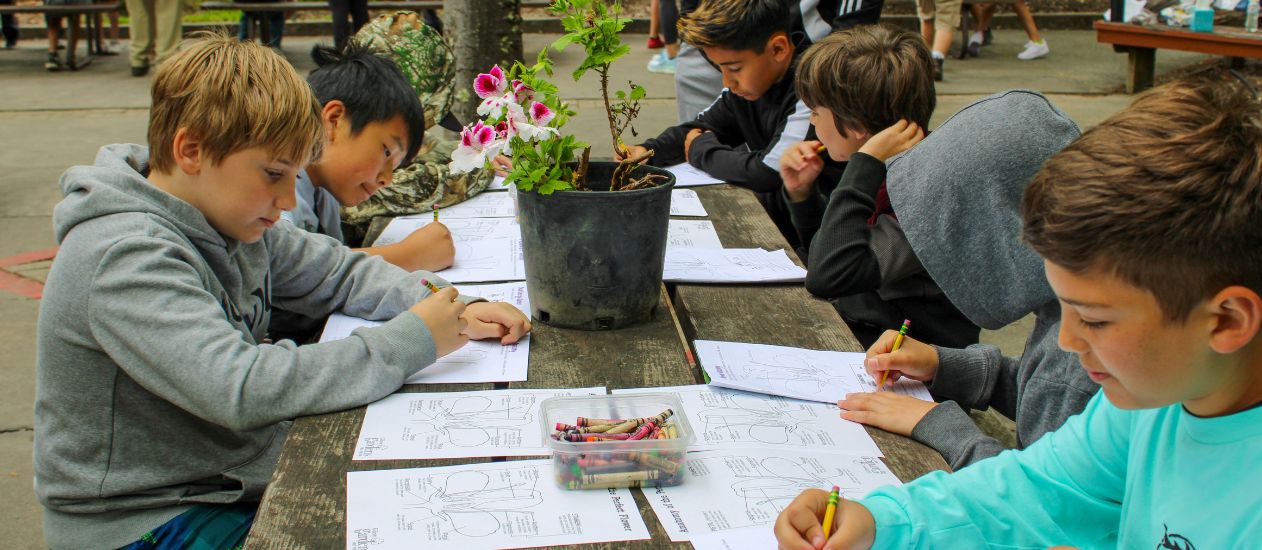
{"x":317,"y":210}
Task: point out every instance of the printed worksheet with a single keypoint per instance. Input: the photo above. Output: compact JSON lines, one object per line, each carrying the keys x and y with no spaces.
{"x":692,"y":233}
{"x":686,"y":202}
{"x":462,"y":229}
{"x":484,"y":205}
{"x":761,"y":537}
{"x":514,"y":504}
{"x":813,"y":375}
{"x":737,"y":489}
{"x":479,"y":360}
{"x":487,"y":260}
{"x":730,"y":265}
{"x":486,"y":423}
{"x":498,"y":183}
{"x":726,"y":419}
{"x":687,"y":175}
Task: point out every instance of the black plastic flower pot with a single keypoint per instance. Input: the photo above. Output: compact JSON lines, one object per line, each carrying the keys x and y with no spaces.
{"x":594,"y":258}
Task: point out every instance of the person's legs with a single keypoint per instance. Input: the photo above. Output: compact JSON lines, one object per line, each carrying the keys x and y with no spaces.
{"x":655,"y":26}
{"x":359,"y":15}
{"x":203,"y":526}
{"x":982,"y":14}
{"x":168,"y":28}
{"x":697,"y":83}
{"x":1036,"y":47}
{"x":665,"y":62}
{"x":275,"y":20}
{"x":946,"y":19}
{"x":341,"y":27}
{"x":243,"y":26}
{"x":141,"y":14}
{"x":53,"y":23}
{"x":9,"y":27}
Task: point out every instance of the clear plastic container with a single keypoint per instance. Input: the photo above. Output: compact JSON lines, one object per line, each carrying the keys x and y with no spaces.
{"x":616,"y":463}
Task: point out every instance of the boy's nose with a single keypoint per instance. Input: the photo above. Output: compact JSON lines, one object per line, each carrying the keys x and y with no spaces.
{"x":287,"y":199}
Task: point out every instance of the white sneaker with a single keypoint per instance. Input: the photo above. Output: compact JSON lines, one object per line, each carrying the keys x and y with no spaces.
{"x":661,"y":64}
{"x":1034,"y":50}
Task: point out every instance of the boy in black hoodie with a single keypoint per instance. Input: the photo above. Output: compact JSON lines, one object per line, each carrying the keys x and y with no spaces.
{"x":742,"y":135}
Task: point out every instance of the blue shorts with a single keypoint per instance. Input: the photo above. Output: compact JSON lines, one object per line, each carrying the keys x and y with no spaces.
{"x":204,"y":527}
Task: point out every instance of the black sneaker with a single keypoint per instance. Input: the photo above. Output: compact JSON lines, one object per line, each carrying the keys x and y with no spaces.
{"x":54,"y":63}
{"x":140,"y":71}
{"x":938,"y":62}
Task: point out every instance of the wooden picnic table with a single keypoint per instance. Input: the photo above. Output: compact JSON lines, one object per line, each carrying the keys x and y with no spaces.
{"x":305,"y":504}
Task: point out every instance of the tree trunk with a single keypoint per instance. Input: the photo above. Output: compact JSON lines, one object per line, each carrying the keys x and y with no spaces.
{"x":483,"y":33}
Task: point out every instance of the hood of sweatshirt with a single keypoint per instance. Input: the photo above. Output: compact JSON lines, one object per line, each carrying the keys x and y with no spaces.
{"x":958,"y":198}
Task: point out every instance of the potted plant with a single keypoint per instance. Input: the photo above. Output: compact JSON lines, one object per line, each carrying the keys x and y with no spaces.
{"x":593,"y":233}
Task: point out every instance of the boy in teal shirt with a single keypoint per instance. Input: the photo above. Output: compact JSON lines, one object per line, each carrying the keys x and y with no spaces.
{"x":1155,"y":258}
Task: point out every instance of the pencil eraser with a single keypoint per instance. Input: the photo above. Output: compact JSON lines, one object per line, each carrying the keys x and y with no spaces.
{"x":836,"y":489}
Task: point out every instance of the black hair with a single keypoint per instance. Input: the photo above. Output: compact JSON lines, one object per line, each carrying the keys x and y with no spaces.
{"x":371,"y":86}
{"x":736,"y":24}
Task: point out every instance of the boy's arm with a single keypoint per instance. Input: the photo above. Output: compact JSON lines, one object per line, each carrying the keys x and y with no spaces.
{"x":1067,"y":488}
{"x":847,"y":256}
{"x":724,"y":154}
{"x":950,"y":431}
{"x":151,"y":312}
{"x":429,"y":248}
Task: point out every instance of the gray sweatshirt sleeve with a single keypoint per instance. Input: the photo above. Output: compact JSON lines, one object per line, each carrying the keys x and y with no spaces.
{"x":150,"y":311}
{"x":950,"y":431}
{"x":977,"y":377}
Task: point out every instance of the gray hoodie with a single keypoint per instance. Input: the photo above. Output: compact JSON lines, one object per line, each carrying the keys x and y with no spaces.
{"x":155,"y":387}
{"x":958,"y":196}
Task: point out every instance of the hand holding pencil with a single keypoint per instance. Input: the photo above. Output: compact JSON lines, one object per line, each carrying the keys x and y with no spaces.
{"x":914,"y":359}
{"x":799,"y":526}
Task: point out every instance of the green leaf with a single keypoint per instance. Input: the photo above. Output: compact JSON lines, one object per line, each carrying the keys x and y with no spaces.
{"x":637,"y":92}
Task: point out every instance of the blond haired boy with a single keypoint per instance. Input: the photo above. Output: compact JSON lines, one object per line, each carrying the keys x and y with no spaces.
{"x":1156,"y":258}
{"x":161,"y":406}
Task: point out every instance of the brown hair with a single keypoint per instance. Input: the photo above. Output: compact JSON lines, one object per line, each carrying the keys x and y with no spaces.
{"x":735,"y":24}
{"x":1166,"y":195}
{"x":232,"y":95}
{"x":870,"y":77}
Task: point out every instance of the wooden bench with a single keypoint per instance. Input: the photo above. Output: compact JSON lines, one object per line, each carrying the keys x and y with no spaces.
{"x":93,"y":13}
{"x":1140,"y":42}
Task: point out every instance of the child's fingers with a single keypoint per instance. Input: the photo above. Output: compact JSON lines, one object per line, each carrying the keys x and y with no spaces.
{"x":798,"y":527}
{"x":516,"y":331}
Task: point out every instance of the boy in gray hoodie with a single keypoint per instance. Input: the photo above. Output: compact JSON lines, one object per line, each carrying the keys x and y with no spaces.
{"x":161,"y":406}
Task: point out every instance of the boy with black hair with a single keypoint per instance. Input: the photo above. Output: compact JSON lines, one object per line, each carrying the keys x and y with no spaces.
{"x":741,"y":136}
{"x":1155,"y":259}
{"x":161,"y":406}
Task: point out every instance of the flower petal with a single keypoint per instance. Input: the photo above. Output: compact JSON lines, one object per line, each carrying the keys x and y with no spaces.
{"x":541,"y":114}
{"x":464,"y":159}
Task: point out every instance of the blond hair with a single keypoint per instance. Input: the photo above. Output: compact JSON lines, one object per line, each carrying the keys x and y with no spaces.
{"x":232,"y":95}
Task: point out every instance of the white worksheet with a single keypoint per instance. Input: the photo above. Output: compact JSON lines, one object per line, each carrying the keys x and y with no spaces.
{"x":727,"y":419}
{"x":730,"y":265}
{"x":813,"y":375}
{"x":761,"y":537}
{"x":514,"y":504}
{"x":487,"y":260}
{"x":498,"y":183}
{"x":736,"y":489}
{"x":484,"y":205}
{"x":485,"y":423}
{"x":462,"y":229}
{"x":686,"y":202}
{"x":687,"y":175}
{"x":692,"y":233}
{"x":479,"y":360}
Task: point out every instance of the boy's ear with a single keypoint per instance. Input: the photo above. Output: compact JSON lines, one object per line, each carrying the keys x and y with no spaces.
{"x":1237,"y":315}
{"x":780,"y":47}
{"x":333,"y":115}
{"x":187,"y":150}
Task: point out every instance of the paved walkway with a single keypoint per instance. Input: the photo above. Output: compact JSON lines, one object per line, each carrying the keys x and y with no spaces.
{"x":49,"y":121}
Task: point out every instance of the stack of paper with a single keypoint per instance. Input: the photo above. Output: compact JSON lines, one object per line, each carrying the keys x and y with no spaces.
{"x":686,"y":202}
{"x":487,"y":260}
{"x":687,"y":175}
{"x":692,"y":234}
{"x":462,"y":229}
{"x":730,"y":265}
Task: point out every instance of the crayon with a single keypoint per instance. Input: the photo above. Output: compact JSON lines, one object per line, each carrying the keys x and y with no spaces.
{"x":597,"y":421}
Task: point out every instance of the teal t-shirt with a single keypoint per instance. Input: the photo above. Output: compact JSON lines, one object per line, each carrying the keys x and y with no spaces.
{"x":1109,"y":478}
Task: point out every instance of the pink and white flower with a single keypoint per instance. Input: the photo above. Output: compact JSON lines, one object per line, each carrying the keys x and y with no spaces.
{"x":530,"y":128}
{"x":478,"y":144}
{"x":490,"y":84}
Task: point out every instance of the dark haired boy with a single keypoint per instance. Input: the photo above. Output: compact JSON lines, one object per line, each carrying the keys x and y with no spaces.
{"x":1155,"y":259}
{"x":741,"y":136}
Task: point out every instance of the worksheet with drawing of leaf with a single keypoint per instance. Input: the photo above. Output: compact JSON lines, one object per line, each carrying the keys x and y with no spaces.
{"x":813,"y":375}
{"x":513,"y":504}
{"x":742,"y":488}
{"x":484,"y":205}
{"x":692,"y":233}
{"x":485,"y":423}
{"x":462,"y":229}
{"x":686,"y":202}
{"x":732,"y":419}
{"x":729,"y":265}
{"x":487,"y":260}
{"x":687,"y":175}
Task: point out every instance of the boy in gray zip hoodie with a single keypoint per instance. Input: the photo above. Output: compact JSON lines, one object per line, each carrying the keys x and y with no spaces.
{"x":158,"y":394}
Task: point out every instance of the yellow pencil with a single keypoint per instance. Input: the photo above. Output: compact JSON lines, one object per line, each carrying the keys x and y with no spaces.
{"x":435,"y":211}
{"x":831,"y":511}
{"x":431,"y":286}
{"x":898,"y":342}
{"x":821,"y":149}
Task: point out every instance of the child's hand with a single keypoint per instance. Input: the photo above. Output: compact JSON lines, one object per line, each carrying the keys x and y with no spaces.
{"x":914,"y":359}
{"x":633,"y":151}
{"x":799,"y":166}
{"x":501,"y":164}
{"x":893,"y":140}
{"x":889,"y":411}
{"x":496,"y":320}
{"x":799,"y":526}
{"x":442,"y":314}
{"x":692,"y":135}
{"x":430,"y":248}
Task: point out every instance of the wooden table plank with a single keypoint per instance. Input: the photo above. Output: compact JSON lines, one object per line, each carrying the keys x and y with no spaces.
{"x":785,"y":315}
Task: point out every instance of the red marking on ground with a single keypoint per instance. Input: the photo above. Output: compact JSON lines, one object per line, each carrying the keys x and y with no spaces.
{"x":17,"y":284}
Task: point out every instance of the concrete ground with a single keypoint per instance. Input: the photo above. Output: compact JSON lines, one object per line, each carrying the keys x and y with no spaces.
{"x":49,"y":121}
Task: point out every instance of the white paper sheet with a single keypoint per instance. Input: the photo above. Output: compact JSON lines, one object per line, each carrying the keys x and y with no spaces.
{"x":479,"y":360}
{"x":692,"y":233}
{"x":813,"y":375}
{"x":686,"y":202}
{"x":731,"y":419}
{"x":493,"y":505}
{"x":497,"y":184}
{"x":487,"y":260}
{"x":761,"y":537}
{"x":730,"y":265}
{"x":745,"y":488}
{"x":484,"y":205}
{"x":457,"y":424}
{"x":687,"y":175}
{"x":462,"y":229}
